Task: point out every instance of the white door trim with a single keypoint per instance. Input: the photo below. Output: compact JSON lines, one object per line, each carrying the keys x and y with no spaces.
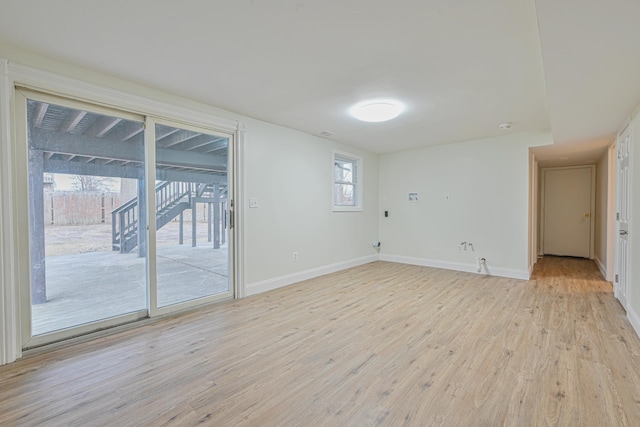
{"x":611,"y":210}
{"x":592,"y":223}
{"x":618,"y":293}
{"x":10,"y":344}
{"x":533,"y":210}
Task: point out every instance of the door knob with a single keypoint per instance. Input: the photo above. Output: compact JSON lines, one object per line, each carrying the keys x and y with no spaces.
{"x":587,"y":215}
{"x":623,"y":232}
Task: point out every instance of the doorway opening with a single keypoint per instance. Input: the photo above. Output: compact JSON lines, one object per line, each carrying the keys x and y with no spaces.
{"x":568,"y":207}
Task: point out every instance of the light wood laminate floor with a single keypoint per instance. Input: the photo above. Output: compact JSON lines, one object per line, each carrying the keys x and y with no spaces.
{"x":380,"y":344}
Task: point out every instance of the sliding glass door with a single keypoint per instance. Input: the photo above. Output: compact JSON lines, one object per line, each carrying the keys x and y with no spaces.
{"x":79,"y":158}
{"x":191,"y":202}
{"x":108,"y":243}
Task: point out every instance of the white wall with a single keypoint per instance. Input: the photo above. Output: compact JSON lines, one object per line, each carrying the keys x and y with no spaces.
{"x":474,"y":191}
{"x":290,"y":174}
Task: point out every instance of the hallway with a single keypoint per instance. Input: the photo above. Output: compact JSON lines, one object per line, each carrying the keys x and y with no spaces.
{"x":555,"y":268}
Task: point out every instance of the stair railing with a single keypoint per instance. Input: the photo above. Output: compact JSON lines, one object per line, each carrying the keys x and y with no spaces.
{"x":169,"y":192}
{"x":124,"y":223}
{"x":124,"y":219}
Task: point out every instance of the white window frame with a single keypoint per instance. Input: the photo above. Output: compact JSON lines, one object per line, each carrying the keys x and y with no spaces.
{"x":358,"y":183}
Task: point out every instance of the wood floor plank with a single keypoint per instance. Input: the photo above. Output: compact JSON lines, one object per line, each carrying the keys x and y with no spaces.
{"x":379,"y":344}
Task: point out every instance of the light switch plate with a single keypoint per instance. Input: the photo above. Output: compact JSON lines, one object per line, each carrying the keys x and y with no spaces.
{"x":253,"y":202}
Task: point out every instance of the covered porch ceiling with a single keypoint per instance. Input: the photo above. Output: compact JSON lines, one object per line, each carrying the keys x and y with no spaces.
{"x":83,"y":142}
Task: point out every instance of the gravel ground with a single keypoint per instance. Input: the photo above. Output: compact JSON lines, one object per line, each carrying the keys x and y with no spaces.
{"x":79,"y":239}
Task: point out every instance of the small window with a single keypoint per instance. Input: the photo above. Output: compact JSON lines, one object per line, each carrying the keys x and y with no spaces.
{"x":347,"y":182}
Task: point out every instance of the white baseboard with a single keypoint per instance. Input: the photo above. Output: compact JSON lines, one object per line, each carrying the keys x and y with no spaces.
{"x":289,"y":279}
{"x":458,"y":266}
{"x":601,"y":267}
{"x":634,"y":319}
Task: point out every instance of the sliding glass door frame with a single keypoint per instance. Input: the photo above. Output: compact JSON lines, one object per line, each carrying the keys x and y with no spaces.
{"x":22,"y":202}
{"x":150,"y":171}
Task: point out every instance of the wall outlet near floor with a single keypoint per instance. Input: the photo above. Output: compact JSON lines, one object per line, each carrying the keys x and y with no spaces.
{"x":295,"y":256}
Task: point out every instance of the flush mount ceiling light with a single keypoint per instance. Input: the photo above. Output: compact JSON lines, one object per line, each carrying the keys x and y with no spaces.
{"x":377,"y":110}
{"x":506,"y":125}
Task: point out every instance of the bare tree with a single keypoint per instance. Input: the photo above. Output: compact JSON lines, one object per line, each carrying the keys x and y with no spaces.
{"x":91,"y":183}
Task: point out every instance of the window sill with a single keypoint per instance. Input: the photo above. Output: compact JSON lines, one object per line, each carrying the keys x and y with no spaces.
{"x":347,"y":209}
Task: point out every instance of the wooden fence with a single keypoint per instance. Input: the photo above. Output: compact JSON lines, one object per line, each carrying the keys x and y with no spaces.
{"x":79,"y":208}
{"x":87,"y":208}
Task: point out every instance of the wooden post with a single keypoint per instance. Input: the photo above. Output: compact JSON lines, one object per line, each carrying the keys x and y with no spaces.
{"x":36,"y":227}
{"x":194,"y":217}
{"x":223,"y":205}
{"x":142,"y":220}
{"x":53,"y":212}
{"x":122,"y":228}
{"x":113,"y":229}
{"x":209,"y":222}
{"x":216,"y":216}
{"x":102,"y":210}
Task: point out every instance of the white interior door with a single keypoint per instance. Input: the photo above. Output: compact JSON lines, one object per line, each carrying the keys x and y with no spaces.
{"x":567,"y":211}
{"x":623,"y":193}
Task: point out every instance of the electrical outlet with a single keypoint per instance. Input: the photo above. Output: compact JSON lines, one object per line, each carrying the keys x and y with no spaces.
{"x":295,"y":256}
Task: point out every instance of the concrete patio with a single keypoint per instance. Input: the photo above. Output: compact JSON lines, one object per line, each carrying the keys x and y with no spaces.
{"x":87,"y":287}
